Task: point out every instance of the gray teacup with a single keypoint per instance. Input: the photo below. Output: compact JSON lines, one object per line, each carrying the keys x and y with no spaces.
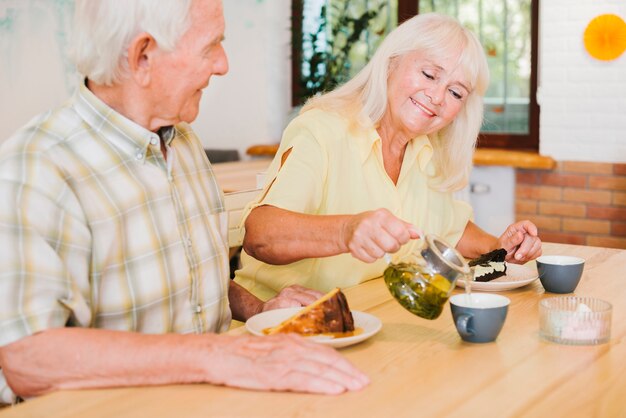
{"x":560,"y":273}
{"x":479,"y":317}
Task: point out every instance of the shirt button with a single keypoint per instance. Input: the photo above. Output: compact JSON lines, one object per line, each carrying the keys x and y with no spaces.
{"x":188,"y":242}
{"x":154,"y":141}
{"x":198,"y":308}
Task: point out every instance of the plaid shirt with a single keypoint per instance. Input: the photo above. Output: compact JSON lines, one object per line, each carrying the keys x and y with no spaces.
{"x":98,"y":230}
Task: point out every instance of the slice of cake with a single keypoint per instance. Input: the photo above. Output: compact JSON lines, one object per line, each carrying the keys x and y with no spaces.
{"x":329,"y":314}
{"x":489,"y":266}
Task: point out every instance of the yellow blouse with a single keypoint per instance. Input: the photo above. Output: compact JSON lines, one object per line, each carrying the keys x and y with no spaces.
{"x":333,"y":170}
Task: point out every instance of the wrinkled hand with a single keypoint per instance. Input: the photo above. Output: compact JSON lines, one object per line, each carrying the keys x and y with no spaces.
{"x":369,"y":235}
{"x":292,"y":296}
{"x":286,"y":362}
{"x":521,"y":242}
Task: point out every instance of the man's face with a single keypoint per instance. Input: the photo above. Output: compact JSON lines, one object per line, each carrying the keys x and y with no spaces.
{"x":181,"y":75}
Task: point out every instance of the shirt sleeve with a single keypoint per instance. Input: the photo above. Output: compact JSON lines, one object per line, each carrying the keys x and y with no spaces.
{"x":45,"y":247}
{"x":460,"y":214}
{"x":297,"y":182}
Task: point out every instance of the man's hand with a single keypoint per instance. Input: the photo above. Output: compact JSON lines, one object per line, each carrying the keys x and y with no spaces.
{"x":46,"y":361}
{"x":285,"y":362}
{"x":369,"y":235}
{"x":292,"y":296}
{"x":521,"y":242}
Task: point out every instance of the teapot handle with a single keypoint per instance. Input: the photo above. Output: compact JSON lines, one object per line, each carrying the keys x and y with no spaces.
{"x":387,"y":256}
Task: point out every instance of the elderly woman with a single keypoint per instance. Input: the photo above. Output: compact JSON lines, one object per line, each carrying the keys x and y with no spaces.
{"x":363,"y":169}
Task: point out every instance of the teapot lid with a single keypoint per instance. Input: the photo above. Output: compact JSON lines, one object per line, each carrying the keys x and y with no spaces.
{"x":443,"y":258}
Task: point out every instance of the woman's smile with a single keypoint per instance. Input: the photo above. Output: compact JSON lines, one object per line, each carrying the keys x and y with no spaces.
{"x":423,"y":108}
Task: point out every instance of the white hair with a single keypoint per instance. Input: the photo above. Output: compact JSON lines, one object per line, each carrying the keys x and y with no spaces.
{"x":364,"y":97}
{"x":103,"y":30}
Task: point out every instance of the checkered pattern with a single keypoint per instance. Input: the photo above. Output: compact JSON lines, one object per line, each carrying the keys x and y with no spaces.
{"x":98,"y":230}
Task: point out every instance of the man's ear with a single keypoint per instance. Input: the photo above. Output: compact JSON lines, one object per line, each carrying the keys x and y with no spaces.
{"x":141,"y":55}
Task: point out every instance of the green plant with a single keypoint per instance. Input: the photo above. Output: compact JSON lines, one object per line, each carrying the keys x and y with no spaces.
{"x":329,"y":59}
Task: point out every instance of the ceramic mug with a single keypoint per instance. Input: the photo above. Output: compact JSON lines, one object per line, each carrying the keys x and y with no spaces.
{"x":560,"y":273}
{"x":479,"y":317}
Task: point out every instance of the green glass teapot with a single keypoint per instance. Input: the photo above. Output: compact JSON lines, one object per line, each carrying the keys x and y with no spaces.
{"x":422,"y":282}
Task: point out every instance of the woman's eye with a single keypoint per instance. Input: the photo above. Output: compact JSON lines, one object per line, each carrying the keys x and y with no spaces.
{"x":428,"y":76}
{"x":456,"y":94}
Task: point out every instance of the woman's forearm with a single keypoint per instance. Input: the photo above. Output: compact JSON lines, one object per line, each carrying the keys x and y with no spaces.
{"x":475,"y":241}
{"x":279,"y":236}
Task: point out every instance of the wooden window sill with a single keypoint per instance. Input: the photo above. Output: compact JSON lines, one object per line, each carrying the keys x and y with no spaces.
{"x":517,"y":159}
{"x":482,"y":156}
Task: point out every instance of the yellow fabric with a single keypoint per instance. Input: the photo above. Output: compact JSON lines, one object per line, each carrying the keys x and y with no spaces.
{"x":332,"y":170}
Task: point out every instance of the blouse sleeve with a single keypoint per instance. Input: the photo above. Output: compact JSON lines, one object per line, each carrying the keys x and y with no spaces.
{"x":460,"y":214}
{"x":297,"y":176}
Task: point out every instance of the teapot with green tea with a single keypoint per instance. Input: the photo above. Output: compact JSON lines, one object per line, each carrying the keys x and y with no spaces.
{"x":422,"y":282}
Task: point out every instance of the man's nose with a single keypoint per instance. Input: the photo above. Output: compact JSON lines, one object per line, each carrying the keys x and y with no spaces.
{"x":220,"y":66}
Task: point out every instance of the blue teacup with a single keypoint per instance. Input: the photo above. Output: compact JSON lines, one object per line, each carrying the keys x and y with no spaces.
{"x":479,"y":317}
{"x":560,"y":273}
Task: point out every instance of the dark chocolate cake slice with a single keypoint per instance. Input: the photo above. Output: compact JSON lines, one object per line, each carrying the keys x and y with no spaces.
{"x":489,"y":266}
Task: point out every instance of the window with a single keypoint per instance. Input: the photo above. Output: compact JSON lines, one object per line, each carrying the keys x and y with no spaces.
{"x":334,"y":39}
{"x":508,"y":29}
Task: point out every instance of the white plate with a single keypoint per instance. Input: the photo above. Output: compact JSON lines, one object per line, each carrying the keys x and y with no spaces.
{"x":369,"y":323}
{"x":516,"y":276}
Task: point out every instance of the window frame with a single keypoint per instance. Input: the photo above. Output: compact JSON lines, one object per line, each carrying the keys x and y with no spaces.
{"x":408,"y":9}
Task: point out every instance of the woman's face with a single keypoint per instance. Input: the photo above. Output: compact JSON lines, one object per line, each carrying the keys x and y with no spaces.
{"x":424,"y":95}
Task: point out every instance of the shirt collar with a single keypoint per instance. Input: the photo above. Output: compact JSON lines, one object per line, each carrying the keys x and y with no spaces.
{"x":128,"y":136}
{"x":167,"y":134}
{"x":418,"y":149}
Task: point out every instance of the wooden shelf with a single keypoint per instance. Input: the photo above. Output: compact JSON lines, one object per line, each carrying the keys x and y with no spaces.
{"x":517,"y":159}
{"x":482,"y":156}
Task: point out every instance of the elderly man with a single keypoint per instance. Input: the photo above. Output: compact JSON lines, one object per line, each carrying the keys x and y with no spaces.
{"x":114,"y":267}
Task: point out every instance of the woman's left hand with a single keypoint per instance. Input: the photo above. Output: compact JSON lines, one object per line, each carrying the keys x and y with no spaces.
{"x":521,"y":242}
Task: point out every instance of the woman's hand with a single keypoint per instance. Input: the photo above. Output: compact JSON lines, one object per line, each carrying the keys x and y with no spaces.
{"x":521,"y":242}
{"x":369,"y":235}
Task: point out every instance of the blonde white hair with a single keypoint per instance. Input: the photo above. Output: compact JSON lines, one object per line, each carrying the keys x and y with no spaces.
{"x":103,"y":30}
{"x":364,"y":97}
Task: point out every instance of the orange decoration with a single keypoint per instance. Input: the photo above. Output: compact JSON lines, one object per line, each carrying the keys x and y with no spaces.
{"x":605,"y":37}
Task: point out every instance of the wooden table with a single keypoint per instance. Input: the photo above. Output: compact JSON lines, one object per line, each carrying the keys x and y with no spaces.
{"x":239,"y":181}
{"x":238,"y":176}
{"x":420,"y":368}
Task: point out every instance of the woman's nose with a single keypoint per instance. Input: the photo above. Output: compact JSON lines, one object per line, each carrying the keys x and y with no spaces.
{"x":436,"y":94}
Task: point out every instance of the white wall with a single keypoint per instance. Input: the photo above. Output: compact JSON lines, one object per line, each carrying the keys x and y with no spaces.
{"x":251,"y":104}
{"x":583,"y":100}
{"x":35,"y":74}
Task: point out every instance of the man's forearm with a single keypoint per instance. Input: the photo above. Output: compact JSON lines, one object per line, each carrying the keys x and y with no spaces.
{"x":79,"y":358}
{"x":73,"y":358}
{"x":243,"y":304}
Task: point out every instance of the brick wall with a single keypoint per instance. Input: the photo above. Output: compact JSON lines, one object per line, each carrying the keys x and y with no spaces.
{"x":576,"y":203}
